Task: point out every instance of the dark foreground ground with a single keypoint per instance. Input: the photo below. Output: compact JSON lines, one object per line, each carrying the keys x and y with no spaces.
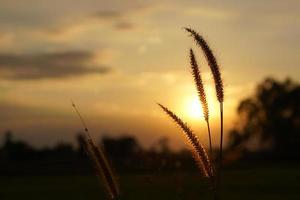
{"x":240,"y":183}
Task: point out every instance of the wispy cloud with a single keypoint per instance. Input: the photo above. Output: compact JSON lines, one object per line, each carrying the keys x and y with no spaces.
{"x":105,"y":14}
{"x":49,"y":65}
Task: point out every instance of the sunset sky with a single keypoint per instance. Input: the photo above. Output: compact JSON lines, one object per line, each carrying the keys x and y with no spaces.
{"x":116,"y":59}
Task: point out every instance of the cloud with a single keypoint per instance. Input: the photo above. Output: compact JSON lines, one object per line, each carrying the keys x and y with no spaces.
{"x":13,"y":111}
{"x":44,"y":14}
{"x":49,"y":65}
{"x":107,"y":14}
{"x":124,"y":26}
{"x":119,"y":19}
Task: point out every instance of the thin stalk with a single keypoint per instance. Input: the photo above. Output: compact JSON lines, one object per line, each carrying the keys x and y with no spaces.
{"x":221,"y":140}
{"x":221,"y":146}
{"x":212,"y":159}
{"x":210,"y":140}
{"x":82,"y":120}
{"x":101,"y":164}
{"x":214,"y":187}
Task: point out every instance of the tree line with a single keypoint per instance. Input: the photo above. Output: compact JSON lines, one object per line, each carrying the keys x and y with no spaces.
{"x":268,"y":128}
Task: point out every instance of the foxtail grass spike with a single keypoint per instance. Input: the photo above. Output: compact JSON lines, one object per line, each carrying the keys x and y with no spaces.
{"x":101,"y":164}
{"x":193,"y":140}
{"x":199,"y":84}
{"x":201,"y":93}
{"x":212,"y":62}
{"x":199,"y":163}
{"x":104,"y":170}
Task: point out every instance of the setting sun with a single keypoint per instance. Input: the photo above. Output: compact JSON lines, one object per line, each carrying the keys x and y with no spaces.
{"x":193,"y":108}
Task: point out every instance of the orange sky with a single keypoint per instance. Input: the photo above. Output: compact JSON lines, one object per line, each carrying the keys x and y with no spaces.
{"x":116,"y":59}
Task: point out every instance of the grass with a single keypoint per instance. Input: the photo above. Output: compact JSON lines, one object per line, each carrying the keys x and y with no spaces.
{"x":189,"y":186}
{"x":102,"y":166}
{"x":206,"y":162}
{"x":255,"y":182}
{"x":203,"y":160}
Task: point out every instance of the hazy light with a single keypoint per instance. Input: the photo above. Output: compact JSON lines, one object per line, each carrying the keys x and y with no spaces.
{"x":193,"y":108}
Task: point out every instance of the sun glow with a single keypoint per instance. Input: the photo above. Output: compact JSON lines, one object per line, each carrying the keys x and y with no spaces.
{"x":193,"y":108}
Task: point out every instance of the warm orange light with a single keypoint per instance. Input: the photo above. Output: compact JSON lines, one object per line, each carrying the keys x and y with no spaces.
{"x":193,"y":108}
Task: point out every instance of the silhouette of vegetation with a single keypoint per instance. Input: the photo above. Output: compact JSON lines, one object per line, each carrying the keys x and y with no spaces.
{"x":125,"y":153}
{"x":203,"y":160}
{"x":269,"y":122}
{"x":268,"y":128}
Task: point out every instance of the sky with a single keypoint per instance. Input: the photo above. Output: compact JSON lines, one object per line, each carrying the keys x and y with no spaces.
{"x":116,"y":59}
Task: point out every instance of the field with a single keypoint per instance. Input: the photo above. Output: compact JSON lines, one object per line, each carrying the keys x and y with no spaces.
{"x":266,"y":182}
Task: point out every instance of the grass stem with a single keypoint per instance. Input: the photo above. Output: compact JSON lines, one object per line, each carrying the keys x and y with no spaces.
{"x":210,"y":140}
{"x":221,"y":148}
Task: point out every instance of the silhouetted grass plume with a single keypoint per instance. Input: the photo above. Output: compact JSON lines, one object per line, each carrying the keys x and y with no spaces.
{"x":201,"y":93}
{"x":202,"y":156}
{"x":215,"y":70}
{"x":203,"y":160}
{"x":101,"y":164}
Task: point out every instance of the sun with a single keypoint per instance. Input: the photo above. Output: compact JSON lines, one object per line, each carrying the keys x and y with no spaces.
{"x":193,"y":108}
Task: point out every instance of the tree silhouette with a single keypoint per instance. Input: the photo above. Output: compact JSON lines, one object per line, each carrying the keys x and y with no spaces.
{"x":270,"y":120}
